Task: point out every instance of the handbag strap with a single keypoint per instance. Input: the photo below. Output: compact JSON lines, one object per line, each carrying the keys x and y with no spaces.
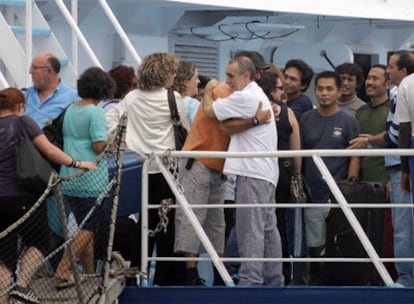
{"x":21,"y":128}
{"x":289,"y":165}
{"x":173,"y":106}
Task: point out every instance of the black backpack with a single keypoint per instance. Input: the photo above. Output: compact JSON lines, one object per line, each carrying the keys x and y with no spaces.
{"x":54,"y":134}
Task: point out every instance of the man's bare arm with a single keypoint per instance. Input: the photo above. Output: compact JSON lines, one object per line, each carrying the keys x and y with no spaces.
{"x":365,"y":139}
{"x":208,"y":98}
{"x":238,"y":125}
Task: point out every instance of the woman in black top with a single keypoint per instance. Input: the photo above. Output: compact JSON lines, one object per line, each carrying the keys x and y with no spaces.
{"x":288,"y":139}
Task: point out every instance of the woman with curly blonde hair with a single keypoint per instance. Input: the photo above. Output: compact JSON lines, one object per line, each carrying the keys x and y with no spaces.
{"x":150,"y":129}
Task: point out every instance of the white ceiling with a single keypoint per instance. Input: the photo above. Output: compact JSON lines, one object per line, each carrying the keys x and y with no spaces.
{"x":374,"y":9}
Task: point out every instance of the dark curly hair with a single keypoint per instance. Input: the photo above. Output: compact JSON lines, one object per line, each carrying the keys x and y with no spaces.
{"x":155,"y":71}
{"x":352,"y":69}
{"x":96,"y":83}
{"x":185,"y":71}
{"x":125,"y":79}
{"x":305,"y":70}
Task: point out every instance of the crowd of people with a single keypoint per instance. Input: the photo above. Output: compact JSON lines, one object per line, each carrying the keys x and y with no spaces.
{"x":258,"y":107}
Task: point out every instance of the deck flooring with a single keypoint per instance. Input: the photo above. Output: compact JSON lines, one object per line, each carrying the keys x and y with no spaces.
{"x":45,"y":289}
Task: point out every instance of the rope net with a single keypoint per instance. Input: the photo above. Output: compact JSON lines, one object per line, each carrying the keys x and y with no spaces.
{"x":68,"y":233}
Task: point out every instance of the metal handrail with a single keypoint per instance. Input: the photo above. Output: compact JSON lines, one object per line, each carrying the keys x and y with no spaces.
{"x":316,"y":155}
{"x":118,"y":28}
{"x":74,"y":26}
{"x":28,"y":38}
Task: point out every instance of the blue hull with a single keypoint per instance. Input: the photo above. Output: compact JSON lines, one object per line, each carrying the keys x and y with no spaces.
{"x":278,"y":295}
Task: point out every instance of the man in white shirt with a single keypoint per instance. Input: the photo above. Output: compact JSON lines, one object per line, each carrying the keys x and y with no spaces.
{"x":257,"y":234}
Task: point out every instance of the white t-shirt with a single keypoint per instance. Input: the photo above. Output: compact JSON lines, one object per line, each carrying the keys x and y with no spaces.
{"x":149,"y":127}
{"x":243,"y":104}
{"x":404,"y":111}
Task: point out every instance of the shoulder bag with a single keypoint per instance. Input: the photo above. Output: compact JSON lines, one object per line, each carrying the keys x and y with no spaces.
{"x":54,"y":134}
{"x":32,"y":170}
{"x":180,"y":133}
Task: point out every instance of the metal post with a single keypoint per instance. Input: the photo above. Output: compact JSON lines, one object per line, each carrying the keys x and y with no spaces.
{"x":144,"y":223}
{"x":349,"y":214}
{"x":120,"y":31}
{"x":78,"y":32}
{"x":74,"y":10}
{"x":29,"y":39}
{"x":196,"y":225}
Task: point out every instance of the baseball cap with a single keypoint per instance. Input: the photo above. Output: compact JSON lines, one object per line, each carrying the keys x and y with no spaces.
{"x":256,"y":57}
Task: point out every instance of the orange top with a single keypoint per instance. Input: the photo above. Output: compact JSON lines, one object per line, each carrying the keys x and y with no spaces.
{"x":205,"y":134}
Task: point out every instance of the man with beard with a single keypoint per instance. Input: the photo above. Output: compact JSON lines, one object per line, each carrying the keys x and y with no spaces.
{"x":372,"y":118}
{"x":256,"y":229}
{"x":400,"y":65}
{"x":326,"y":127}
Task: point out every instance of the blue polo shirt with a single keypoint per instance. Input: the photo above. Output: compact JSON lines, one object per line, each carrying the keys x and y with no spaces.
{"x":54,"y":104}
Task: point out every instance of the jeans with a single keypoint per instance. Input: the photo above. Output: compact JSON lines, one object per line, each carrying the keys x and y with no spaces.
{"x":403,"y":224}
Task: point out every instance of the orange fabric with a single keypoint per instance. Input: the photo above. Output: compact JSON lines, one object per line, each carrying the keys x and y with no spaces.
{"x":205,"y":132}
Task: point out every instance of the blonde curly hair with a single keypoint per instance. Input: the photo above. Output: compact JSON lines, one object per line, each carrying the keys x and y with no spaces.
{"x":155,"y":71}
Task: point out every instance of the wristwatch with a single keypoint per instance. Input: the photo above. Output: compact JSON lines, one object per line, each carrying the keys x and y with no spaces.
{"x":255,"y":121}
{"x":369,"y":146}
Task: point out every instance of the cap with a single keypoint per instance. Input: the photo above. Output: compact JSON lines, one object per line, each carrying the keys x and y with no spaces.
{"x":256,"y":57}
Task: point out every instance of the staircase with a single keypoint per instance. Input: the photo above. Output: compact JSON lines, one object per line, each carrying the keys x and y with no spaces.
{"x":14,"y":67}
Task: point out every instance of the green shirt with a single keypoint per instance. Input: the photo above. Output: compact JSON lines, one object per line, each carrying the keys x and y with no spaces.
{"x":82,"y":126}
{"x":372,"y":121}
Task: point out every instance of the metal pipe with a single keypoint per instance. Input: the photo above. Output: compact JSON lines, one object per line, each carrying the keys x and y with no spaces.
{"x":29,"y":39}
{"x":349,"y":214}
{"x":78,"y":32}
{"x":144,"y":223}
{"x":286,"y":153}
{"x":118,"y":28}
{"x":196,"y":225}
{"x":75,"y":46}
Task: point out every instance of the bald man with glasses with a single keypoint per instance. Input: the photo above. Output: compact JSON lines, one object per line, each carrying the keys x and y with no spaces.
{"x":48,"y":96}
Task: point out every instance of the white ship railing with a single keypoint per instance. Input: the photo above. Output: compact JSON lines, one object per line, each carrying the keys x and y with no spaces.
{"x":317,"y":158}
{"x":76,"y":32}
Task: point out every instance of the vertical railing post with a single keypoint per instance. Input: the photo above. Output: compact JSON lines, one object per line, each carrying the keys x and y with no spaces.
{"x":120,"y":31}
{"x":144,"y":223}
{"x":78,"y":32}
{"x":29,"y":39}
{"x":196,"y":225}
{"x":74,"y":57}
{"x":353,"y":221}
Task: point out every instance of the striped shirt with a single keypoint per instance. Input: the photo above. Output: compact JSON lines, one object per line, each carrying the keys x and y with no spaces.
{"x":392,"y":131}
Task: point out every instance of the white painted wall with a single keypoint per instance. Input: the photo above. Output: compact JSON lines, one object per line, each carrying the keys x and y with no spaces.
{"x":100,"y":34}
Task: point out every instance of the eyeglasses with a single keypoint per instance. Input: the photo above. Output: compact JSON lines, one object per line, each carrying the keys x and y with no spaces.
{"x":36,"y":67}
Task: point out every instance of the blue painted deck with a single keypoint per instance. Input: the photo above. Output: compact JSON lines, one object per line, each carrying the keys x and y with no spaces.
{"x":277,"y":295}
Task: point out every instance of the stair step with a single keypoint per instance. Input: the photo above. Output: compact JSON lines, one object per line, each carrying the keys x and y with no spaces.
{"x":13,"y":2}
{"x":36,"y":31}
